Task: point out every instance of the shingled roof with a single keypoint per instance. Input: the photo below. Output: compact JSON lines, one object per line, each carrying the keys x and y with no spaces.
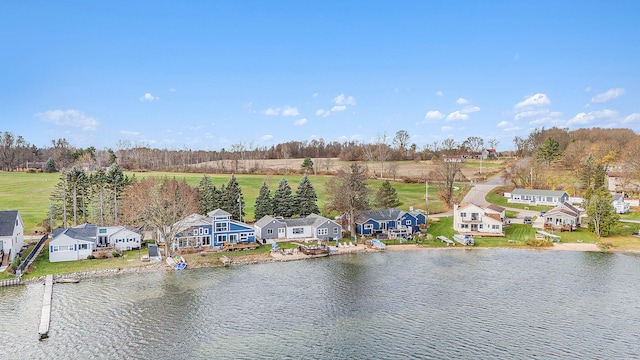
{"x":8,"y":222}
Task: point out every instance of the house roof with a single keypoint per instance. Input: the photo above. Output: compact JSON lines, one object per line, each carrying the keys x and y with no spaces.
{"x":380,"y":215}
{"x":538,"y":192}
{"x":617,"y":197}
{"x":7,"y":222}
{"x":466,"y":205}
{"x":85,"y":232}
{"x":218,"y":212}
{"x":265,"y":220}
{"x":495,"y":208}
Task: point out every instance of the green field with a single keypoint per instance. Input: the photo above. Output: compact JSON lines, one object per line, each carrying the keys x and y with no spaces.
{"x":30,"y":193}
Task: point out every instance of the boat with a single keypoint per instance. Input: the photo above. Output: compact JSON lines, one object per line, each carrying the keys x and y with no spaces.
{"x":378,"y":244}
{"x":464,"y":239}
{"x":67,"y":281}
{"x":314,"y":250}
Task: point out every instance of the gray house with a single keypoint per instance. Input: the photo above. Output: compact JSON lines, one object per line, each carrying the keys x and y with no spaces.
{"x":310,"y":227}
{"x":538,"y":197}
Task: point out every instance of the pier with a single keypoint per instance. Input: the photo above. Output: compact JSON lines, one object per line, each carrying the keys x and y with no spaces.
{"x":45,"y":318}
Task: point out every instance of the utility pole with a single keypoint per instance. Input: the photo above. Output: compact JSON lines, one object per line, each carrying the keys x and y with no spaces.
{"x":426,"y":197}
{"x":240,"y":207}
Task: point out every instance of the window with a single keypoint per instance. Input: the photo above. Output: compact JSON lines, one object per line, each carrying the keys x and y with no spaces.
{"x":83,"y":246}
{"x":464,"y":226}
{"x":368,"y":226}
{"x":233,"y":238}
{"x":463,"y":215}
{"x":244,"y":237}
{"x":297,"y":230}
{"x":201,"y":231}
{"x":495,"y":227}
{"x":480,"y":226}
{"x":336,"y":230}
{"x":221,"y":226}
{"x":222,"y":238}
{"x":269,"y":231}
{"x":281,"y":231}
{"x":102,"y":231}
{"x":206,"y":231}
{"x":475,"y":216}
{"x":408,"y":222}
{"x":323,"y":231}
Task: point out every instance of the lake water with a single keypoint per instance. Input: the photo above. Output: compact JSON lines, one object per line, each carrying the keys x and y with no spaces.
{"x":440,"y":304}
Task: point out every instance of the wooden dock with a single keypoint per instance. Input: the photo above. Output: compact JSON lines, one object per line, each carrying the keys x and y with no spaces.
{"x":45,"y":317}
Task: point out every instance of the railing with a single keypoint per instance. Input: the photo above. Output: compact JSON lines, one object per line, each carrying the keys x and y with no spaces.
{"x":11,"y":282}
{"x":32,"y":255}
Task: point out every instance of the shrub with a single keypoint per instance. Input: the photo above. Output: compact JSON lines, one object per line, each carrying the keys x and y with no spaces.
{"x":606,"y":245}
{"x":15,"y":263}
{"x":538,"y":243}
{"x":116,"y":254}
{"x":90,"y":257}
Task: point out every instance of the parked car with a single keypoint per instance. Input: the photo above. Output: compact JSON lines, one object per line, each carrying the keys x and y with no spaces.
{"x":542,"y":213}
{"x":527,"y":220}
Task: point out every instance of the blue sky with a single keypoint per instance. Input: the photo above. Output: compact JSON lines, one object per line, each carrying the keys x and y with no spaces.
{"x":209,"y":74}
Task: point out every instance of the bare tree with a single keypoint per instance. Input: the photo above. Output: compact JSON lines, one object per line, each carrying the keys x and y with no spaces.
{"x":446,"y":172}
{"x":401,"y":142}
{"x":347,"y":192}
{"x":382,"y":151}
{"x":160,"y":203}
{"x":473,"y":143}
{"x":493,"y":143}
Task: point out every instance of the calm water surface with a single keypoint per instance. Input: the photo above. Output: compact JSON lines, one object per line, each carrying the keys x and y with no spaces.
{"x":465,"y":304}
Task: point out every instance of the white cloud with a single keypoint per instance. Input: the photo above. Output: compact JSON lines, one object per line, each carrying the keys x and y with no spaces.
{"x":462,"y":101}
{"x":530,"y":113}
{"x":300,"y":122}
{"x":315,"y":95}
{"x":172,"y":90}
{"x":129,"y":132}
{"x":533,"y":101}
{"x":267,"y":137}
{"x":439,"y":93}
{"x":607,"y":96}
{"x":272,"y":111}
{"x":586,"y":118}
{"x":70,"y":117}
{"x":631,"y":118}
{"x":149,"y":97}
{"x":338,"y":108}
{"x":470,"y":109}
{"x":587,"y":89}
{"x":290,"y":111}
{"x":457,"y":115}
{"x":434,"y":115}
{"x":321,"y":112}
{"x":446,"y":128}
{"x":503,"y":124}
{"x":344,"y":100}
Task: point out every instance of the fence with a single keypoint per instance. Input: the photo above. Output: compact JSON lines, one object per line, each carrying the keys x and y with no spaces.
{"x":32,"y":255}
{"x":10,"y":282}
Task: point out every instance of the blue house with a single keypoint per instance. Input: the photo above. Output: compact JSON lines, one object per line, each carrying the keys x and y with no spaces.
{"x":390,"y":222}
{"x":214,"y":230}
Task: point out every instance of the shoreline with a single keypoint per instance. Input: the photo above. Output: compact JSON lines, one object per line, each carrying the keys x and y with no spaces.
{"x":270,"y":258}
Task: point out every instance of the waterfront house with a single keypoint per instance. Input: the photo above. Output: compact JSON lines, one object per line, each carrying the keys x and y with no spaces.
{"x":563,"y":217}
{"x":390,"y":222}
{"x":312,"y":226}
{"x":472,"y":219}
{"x":11,"y":235}
{"x":215,"y":230}
{"x":619,"y":204}
{"x":538,"y":197}
{"x":79,"y":242}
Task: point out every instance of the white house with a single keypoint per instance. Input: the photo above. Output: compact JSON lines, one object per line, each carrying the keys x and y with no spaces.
{"x":538,"y":197}
{"x":71,"y":244}
{"x":620,"y":205}
{"x":79,"y":242}
{"x":11,"y":233}
{"x":472,"y":219}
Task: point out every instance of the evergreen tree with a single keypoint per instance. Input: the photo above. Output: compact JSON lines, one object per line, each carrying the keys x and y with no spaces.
{"x":264,"y":203}
{"x":50,"y":166}
{"x":602,"y":214}
{"x":209,"y":195}
{"x":306,"y":198}
{"x":307,"y":165}
{"x":118,"y":183}
{"x":283,"y":200}
{"x":549,"y":151}
{"x":232,"y":201}
{"x":386,"y":197}
{"x":593,"y":173}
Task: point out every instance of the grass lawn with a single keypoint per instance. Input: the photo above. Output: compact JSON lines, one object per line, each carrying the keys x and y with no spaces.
{"x":29,"y":193}
{"x":632,"y":215}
